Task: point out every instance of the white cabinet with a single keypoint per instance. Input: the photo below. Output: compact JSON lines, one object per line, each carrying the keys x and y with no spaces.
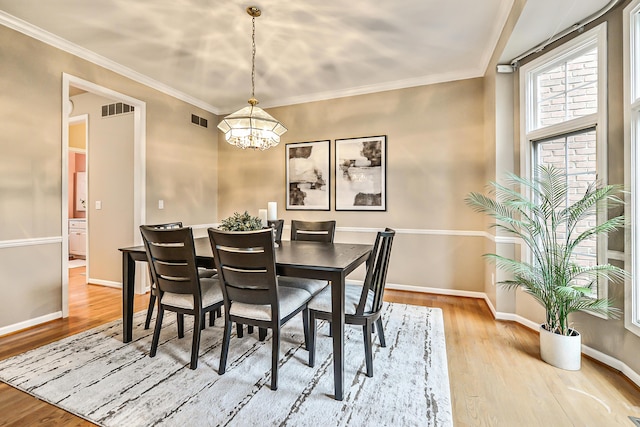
{"x":78,"y":237}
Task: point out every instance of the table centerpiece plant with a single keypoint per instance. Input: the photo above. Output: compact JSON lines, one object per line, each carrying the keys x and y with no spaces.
{"x":552,"y":222}
{"x":241,"y":222}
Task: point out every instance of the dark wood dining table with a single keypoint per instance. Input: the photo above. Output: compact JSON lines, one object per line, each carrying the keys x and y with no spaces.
{"x":314,"y":260}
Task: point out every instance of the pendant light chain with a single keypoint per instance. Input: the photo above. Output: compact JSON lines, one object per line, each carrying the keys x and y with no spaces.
{"x":253,"y":58}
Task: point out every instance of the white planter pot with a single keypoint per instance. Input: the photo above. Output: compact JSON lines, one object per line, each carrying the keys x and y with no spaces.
{"x":561,"y":351}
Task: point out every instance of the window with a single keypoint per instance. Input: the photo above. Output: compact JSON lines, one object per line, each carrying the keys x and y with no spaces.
{"x":566,"y":89}
{"x":564,"y":122}
{"x":632,"y":162}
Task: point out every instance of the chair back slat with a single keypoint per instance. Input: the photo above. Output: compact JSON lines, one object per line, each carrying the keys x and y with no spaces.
{"x":313,"y":231}
{"x":172,"y":260}
{"x":377,"y":267}
{"x":246,"y":265}
{"x":166,"y":226}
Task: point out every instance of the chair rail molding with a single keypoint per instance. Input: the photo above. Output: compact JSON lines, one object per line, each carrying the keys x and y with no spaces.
{"x":30,"y":242}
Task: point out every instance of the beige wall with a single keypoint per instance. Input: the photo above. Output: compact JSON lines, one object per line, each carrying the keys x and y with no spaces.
{"x":435,"y":157}
{"x":181,"y":168}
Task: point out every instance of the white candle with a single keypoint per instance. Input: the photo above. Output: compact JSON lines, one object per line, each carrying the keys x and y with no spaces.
{"x":272,"y":211}
{"x":262,"y":214}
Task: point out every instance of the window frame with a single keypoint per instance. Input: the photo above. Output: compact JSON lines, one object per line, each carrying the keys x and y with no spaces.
{"x":529,"y":135}
{"x":631,"y":97}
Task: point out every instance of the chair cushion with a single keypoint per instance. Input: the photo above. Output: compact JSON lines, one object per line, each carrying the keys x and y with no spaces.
{"x":207,"y":273}
{"x":322,"y":301}
{"x":211,"y":294}
{"x":290,"y":300}
{"x":312,"y":286}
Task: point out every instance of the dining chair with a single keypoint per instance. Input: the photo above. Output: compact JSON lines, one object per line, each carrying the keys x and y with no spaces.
{"x":247,"y":271}
{"x":179,"y":288}
{"x":363,"y":304}
{"x":313,"y":231}
{"x":202,"y":272}
{"x":152,"y":294}
{"x":278,"y":225}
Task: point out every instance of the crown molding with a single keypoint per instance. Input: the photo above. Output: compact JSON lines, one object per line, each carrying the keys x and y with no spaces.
{"x":375,"y":88}
{"x":44,"y":36}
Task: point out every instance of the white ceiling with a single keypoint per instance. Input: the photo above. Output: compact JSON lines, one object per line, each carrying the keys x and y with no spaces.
{"x":306,"y":50}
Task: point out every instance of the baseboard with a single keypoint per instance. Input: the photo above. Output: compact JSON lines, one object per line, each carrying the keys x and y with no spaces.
{"x":518,"y":319}
{"x":29,"y":323}
{"x":108,"y":283}
{"x":491,"y":307}
{"x":438,"y":291}
{"x":613,"y":363}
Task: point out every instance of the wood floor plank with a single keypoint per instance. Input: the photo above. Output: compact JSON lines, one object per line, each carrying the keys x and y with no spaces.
{"x":495,"y":371}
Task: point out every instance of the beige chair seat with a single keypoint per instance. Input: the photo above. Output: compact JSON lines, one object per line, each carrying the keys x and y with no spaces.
{"x":322,"y":301}
{"x":207,"y":273}
{"x":312,"y":286}
{"x":290,"y":300}
{"x":211,"y":294}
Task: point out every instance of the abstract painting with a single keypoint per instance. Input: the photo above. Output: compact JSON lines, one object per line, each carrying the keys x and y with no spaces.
{"x":308,"y":181}
{"x":361,"y":174}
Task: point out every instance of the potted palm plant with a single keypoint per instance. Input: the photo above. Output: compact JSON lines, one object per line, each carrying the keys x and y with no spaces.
{"x":554,"y":223}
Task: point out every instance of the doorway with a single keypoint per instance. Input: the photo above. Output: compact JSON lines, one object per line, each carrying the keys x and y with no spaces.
{"x":69,"y":84}
{"x":78,"y":190}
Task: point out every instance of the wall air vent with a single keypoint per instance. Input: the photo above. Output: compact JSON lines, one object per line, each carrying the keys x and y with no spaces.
{"x":196,"y":120}
{"x":116,"y":108}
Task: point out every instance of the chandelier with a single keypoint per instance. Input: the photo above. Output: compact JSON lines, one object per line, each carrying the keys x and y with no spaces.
{"x":251,"y":126}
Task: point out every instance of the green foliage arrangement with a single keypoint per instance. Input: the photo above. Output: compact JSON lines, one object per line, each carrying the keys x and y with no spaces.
{"x":540,"y":218}
{"x":241,"y":222}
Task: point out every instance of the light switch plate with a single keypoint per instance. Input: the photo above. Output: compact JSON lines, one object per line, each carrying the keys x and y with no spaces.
{"x":98,"y":204}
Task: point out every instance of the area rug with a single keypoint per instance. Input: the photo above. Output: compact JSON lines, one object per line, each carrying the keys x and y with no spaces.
{"x":97,"y":377}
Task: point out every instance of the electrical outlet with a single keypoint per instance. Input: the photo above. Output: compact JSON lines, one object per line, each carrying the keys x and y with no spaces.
{"x":98,"y":204}
{"x":160,"y":204}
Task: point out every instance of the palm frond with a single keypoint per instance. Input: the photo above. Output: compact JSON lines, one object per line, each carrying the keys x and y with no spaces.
{"x":536,"y":212}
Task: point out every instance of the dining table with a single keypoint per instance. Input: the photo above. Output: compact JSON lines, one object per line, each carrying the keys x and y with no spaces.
{"x":314,"y":260}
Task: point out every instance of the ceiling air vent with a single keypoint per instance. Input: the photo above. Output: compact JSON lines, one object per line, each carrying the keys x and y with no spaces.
{"x":196,"y":120}
{"x":116,"y":108}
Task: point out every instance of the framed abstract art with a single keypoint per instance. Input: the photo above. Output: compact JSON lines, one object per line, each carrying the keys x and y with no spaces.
{"x":361,"y":171}
{"x":308,"y":180}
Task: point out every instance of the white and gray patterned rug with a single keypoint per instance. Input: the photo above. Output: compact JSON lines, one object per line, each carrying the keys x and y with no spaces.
{"x":97,"y":377}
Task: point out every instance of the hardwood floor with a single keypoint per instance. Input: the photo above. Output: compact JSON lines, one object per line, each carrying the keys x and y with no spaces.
{"x":496,"y":375}
{"x":498,"y":379}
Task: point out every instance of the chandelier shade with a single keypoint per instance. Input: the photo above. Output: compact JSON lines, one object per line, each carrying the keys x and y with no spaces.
{"x":252,"y":127}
